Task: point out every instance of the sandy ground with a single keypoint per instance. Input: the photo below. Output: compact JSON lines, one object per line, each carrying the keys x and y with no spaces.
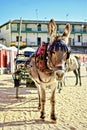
{"x":22,"y":113}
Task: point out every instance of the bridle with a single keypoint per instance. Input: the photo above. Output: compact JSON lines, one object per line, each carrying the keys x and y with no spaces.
{"x":58,"y":45}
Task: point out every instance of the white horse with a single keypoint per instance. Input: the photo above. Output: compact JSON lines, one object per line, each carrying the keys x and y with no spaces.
{"x":46,"y":65}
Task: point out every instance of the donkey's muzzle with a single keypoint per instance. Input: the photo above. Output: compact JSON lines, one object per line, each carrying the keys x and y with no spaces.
{"x":60,"y":74}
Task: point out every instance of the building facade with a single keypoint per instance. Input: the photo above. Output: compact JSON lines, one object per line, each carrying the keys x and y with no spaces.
{"x":32,"y":33}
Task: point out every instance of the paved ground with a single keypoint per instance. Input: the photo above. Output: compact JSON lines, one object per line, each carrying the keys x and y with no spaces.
{"x":22,"y":113}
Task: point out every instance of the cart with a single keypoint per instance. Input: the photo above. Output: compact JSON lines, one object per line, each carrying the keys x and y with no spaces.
{"x":20,"y":74}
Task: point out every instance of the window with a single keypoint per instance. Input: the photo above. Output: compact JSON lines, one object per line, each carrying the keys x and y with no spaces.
{"x":39,"y":41}
{"x":48,"y":39}
{"x":72,"y":28}
{"x":39,"y":27}
{"x":70,"y":41}
{"x":79,"y":38}
{"x":84,"y":28}
{"x":23,"y":27}
{"x":17,"y":38}
{"x":61,"y":28}
{"x":14,"y":27}
{"x":57,"y":27}
{"x":7,"y":26}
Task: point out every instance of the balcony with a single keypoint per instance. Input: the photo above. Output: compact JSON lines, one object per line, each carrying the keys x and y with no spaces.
{"x":14,"y":43}
{"x":29,"y":31}
{"x":79,"y":31}
{"x":61,"y":30}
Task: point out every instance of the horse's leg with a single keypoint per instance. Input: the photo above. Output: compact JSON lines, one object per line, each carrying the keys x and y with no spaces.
{"x":52,"y":100}
{"x":79,"y":75}
{"x":42,"y":116}
{"x":76,"y":75}
{"x":64,"y":81}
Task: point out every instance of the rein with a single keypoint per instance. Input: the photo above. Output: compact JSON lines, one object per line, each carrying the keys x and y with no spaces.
{"x":41,"y":79}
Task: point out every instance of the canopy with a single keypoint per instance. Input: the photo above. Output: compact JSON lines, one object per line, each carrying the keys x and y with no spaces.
{"x":2,"y":46}
{"x":13,"y":48}
{"x":30,"y":49}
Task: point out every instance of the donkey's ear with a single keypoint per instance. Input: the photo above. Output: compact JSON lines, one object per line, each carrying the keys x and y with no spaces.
{"x":52,"y":30}
{"x":66,"y":33}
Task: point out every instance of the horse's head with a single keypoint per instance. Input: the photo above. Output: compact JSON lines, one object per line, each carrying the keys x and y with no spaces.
{"x":57,"y":50}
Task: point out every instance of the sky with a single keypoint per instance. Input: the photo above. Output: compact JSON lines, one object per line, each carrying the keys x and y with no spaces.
{"x":59,"y":10}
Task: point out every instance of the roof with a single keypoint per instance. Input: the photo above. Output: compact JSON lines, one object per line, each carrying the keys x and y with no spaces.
{"x":41,"y":21}
{"x":30,"y":49}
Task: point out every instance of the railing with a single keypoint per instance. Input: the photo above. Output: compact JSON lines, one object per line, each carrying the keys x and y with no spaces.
{"x":30,"y":31}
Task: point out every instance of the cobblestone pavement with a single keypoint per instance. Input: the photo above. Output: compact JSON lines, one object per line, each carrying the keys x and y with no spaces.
{"x":22,"y":113}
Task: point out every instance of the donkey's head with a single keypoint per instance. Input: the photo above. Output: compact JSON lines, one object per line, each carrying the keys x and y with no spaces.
{"x":57,"y":50}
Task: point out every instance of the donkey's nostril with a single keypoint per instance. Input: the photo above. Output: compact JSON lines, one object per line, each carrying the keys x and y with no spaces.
{"x":59,"y":74}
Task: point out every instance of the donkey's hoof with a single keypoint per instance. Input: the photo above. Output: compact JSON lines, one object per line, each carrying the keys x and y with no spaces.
{"x":53,"y":118}
{"x":76,"y":84}
{"x":59,"y":90}
{"x":42,"y":116}
{"x":80,"y":84}
{"x":39,"y":108}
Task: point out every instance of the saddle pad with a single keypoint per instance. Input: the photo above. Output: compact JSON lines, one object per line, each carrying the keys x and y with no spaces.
{"x":41,"y":57}
{"x":42,"y":50}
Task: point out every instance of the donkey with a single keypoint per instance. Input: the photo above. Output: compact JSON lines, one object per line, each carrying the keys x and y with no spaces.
{"x":73,"y":64}
{"x":46,"y":68}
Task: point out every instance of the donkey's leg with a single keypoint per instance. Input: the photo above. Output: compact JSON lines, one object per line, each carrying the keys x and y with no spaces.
{"x":39,"y":104}
{"x":39,"y":95}
{"x":76,"y":75}
{"x":59,"y":86}
{"x":52,"y":100}
{"x":42,"y":116}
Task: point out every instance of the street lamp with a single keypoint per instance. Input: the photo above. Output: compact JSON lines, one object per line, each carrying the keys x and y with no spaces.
{"x":37,"y":23}
{"x":19,"y":38}
{"x":36,"y":13}
{"x":67,"y":15}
